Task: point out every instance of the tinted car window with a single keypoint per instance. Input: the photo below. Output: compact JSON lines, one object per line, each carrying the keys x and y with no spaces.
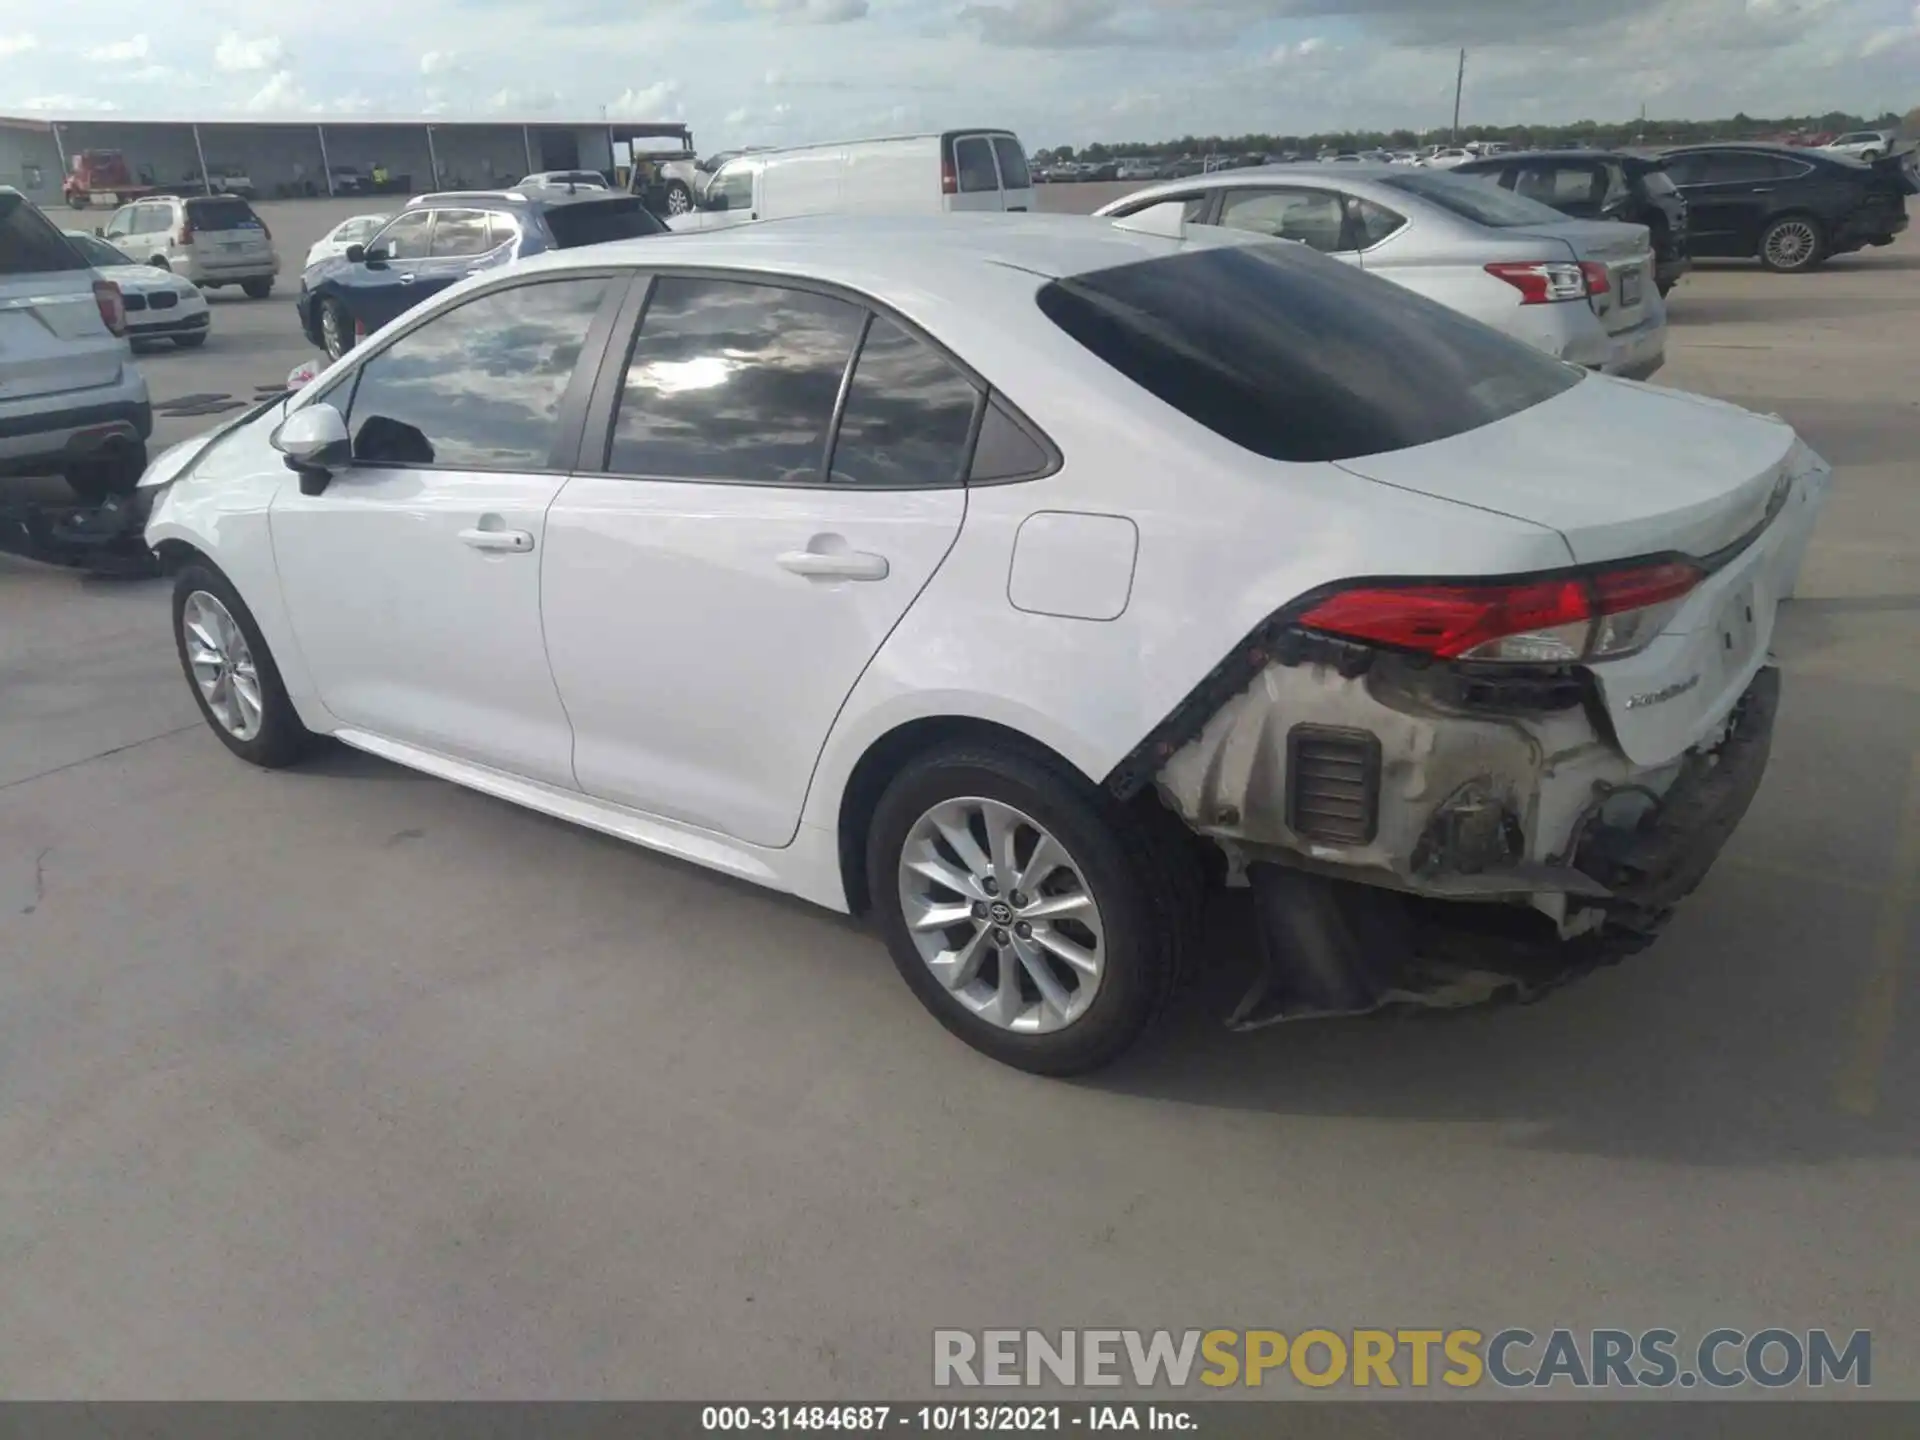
{"x":478,"y":387}
{"x":29,"y":243}
{"x":1560,"y":184}
{"x":1313,"y":217}
{"x":731,"y":381}
{"x":1473,"y":200}
{"x":459,"y":232}
{"x":593,"y":222}
{"x":1372,"y":223}
{"x":1735,"y":167}
{"x":973,"y":158}
{"x":908,"y":417}
{"x":1004,"y":450}
{"x":406,"y":237}
{"x":98,"y":252}
{"x":1013,"y":163}
{"x":225,"y":212}
{"x":1188,"y":207}
{"x":1296,"y":357}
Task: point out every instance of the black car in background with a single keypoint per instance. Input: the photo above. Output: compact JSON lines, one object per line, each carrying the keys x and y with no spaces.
{"x":1793,"y":208}
{"x":1601,"y":185}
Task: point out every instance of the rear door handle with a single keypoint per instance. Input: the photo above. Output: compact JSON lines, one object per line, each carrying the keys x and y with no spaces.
{"x":512,"y":542}
{"x":828,"y":565}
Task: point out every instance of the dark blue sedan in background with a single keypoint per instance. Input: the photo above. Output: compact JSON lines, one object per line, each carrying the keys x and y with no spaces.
{"x":443,"y":238}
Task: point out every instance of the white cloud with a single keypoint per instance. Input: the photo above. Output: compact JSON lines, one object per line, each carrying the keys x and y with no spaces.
{"x":439,"y":62}
{"x":739,"y":117}
{"x":18,"y":44}
{"x":1896,"y":37}
{"x":521,"y":102}
{"x":658,"y":101}
{"x":281,"y":92}
{"x":814,"y":12}
{"x":241,"y":56}
{"x":120,"y":52}
{"x":60,"y":103}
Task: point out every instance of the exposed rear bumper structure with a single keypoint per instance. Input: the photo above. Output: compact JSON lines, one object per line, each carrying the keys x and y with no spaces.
{"x":1335,"y":946}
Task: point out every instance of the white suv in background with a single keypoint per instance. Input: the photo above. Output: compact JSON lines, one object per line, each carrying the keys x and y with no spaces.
{"x":71,"y":400}
{"x":212,"y":240}
{"x":1862,"y":145}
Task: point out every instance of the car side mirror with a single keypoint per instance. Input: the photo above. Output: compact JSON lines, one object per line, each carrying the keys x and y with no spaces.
{"x":314,"y":443}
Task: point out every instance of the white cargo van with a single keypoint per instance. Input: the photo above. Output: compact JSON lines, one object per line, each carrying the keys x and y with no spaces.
{"x":898,"y":175}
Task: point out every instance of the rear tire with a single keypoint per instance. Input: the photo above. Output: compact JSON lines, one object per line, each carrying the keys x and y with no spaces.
{"x":1793,"y":244}
{"x":1867,"y":157}
{"x":268,"y":733}
{"x":257,"y":289}
{"x":1053,"y":1017}
{"x":679,"y":198}
{"x":96,"y":480}
{"x":336,"y":330}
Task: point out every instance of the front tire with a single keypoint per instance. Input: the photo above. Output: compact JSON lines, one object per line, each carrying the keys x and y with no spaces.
{"x":1793,"y":244}
{"x":1036,"y":917}
{"x":257,"y":289}
{"x":231,"y":671}
{"x":336,"y":331}
{"x":679,"y":198}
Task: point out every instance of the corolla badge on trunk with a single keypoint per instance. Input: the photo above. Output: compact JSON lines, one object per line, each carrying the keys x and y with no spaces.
{"x":1660,"y":697}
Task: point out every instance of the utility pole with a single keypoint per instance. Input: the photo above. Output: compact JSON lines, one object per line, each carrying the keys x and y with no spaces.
{"x":1459,"y":80}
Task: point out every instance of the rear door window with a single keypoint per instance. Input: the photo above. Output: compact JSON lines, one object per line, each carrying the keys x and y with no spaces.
{"x":973,"y":160}
{"x":1297,"y":358}
{"x":908,"y":416}
{"x":1013,"y":163}
{"x":1561,"y":184}
{"x":733,"y":381}
{"x":29,"y":243}
{"x":224,"y":212}
{"x":1313,"y":217}
{"x":459,"y":233}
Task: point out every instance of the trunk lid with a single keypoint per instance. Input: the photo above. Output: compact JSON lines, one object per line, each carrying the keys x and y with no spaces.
{"x":1619,"y":469}
{"x":1625,"y":471}
{"x":1627,"y":253}
{"x":52,"y":338}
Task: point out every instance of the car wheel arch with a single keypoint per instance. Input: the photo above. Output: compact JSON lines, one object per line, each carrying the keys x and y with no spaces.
{"x":887,"y":754}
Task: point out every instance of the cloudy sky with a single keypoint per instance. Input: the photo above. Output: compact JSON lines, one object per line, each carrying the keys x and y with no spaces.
{"x":774,"y":71}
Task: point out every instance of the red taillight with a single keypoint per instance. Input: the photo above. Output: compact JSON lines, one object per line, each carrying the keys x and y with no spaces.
{"x":1598,"y":616}
{"x":1596,"y":273}
{"x":1542,"y":282}
{"x":113,"y":306}
{"x":186,"y":232}
{"x":949,"y":182}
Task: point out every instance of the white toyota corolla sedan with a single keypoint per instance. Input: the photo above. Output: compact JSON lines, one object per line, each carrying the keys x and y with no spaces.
{"x":1015,"y":579}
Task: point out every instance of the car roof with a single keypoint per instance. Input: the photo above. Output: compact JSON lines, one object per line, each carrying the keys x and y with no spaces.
{"x":1506,"y":157}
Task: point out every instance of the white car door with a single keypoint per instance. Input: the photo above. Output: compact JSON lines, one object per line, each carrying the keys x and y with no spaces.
{"x":413,"y":578}
{"x":713,"y":596}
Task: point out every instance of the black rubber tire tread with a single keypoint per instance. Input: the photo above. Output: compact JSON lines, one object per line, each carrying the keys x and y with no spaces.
{"x":1147,"y":887}
{"x":282,"y":739}
{"x":257,"y":289}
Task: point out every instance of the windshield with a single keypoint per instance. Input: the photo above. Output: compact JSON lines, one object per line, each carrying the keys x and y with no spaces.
{"x":97,"y":251}
{"x":1474,"y":200}
{"x":1298,"y":357}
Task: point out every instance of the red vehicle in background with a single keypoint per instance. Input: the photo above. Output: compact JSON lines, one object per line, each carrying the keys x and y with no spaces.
{"x":101,"y":175}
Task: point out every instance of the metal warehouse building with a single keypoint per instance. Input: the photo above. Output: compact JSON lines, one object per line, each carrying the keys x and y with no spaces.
{"x":285,"y":157}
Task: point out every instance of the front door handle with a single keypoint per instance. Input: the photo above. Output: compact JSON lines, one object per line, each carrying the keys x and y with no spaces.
{"x":511,"y":542}
{"x":406,"y":279}
{"x":835,"y":565}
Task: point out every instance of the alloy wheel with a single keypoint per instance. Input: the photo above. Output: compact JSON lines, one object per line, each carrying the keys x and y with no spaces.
{"x":223,"y":665}
{"x":330,"y":337}
{"x":679,"y":202}
{"x":1002,"y":915}
{"x":1791,"y":244}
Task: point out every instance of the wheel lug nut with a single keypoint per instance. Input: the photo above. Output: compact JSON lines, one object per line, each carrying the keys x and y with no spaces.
{"x":1019,"y":899}
{"x":999,"y":937}
{"x":1023,"y":930}
{"x":979,"y":909}
{"x":990,"y":885}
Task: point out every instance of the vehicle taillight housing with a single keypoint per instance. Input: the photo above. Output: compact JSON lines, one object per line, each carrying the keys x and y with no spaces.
{"x":1600,"y":615}
{"x":949,"y":180}
{"x":113,"y":306}
{"x":1596,"y":276}
{"x":1542,"y":282}
{"x":186,"y":232}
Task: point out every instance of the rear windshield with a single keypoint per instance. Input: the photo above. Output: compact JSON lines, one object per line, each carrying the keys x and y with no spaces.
{"x":1013,"y":163}
{"x":1474,"y":199}
{"x":225,"y":212}
{"x":593,"y":222}
{"x":29,"y":244}
{"x":1298,"y":357}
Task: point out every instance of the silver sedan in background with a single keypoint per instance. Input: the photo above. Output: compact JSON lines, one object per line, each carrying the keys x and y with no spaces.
{"x":1581,"y":290}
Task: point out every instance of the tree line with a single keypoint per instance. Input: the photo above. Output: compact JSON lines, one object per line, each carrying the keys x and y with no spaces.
{"x":1599,"y":134}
